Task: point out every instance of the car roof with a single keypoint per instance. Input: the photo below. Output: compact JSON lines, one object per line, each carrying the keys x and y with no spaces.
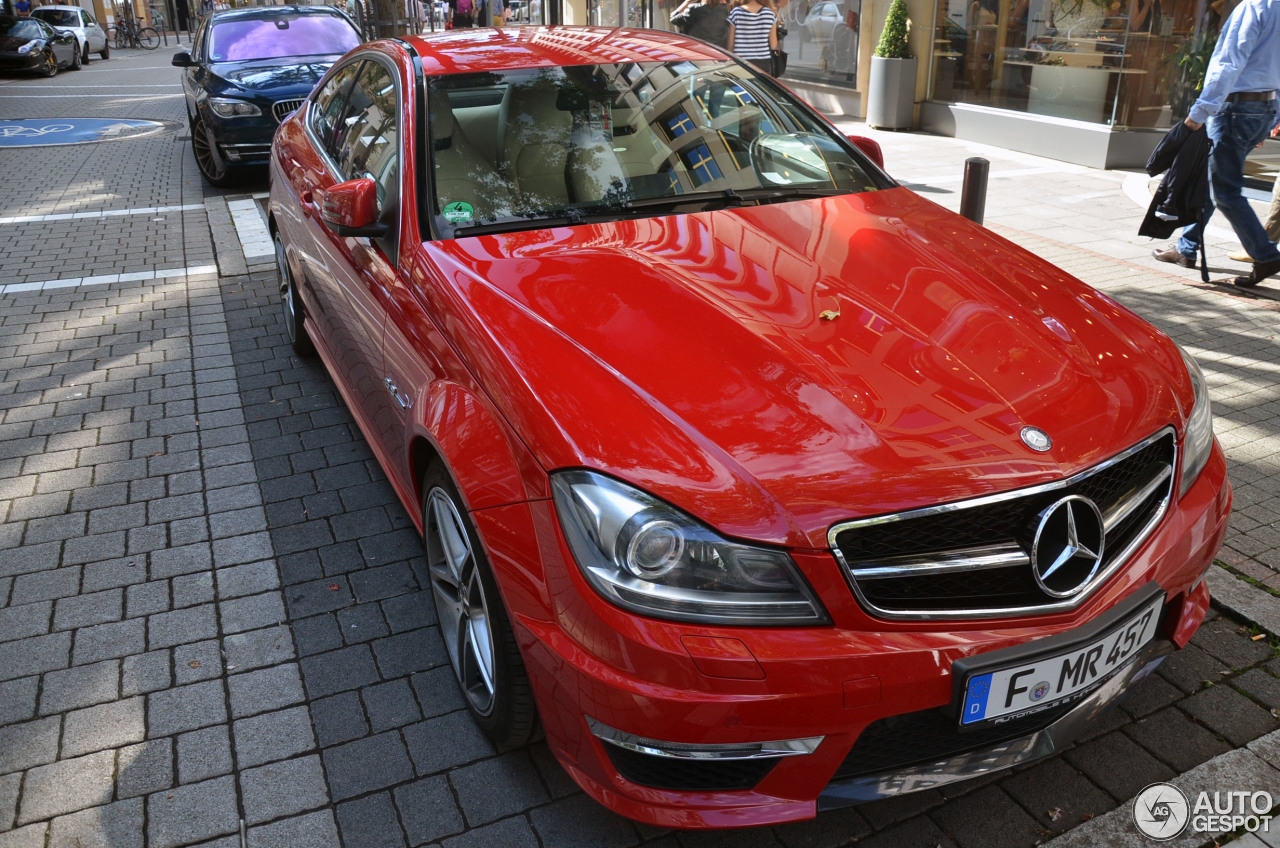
{"x":503,"y":48}
{"x":258,"y":13}
{"x":58,"y":8}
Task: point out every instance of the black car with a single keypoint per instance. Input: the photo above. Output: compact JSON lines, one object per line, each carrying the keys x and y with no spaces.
{"x":247,"y":70}
{"x":27,"y":44}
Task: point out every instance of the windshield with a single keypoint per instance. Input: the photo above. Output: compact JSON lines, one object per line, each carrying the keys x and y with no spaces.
{"x":620,"y":140}
{"x":277,"y":37}
{"x":57,"y":17}
{"x":21,"y":29}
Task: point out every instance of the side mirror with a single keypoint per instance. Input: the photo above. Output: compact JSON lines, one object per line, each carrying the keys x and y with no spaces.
{"x":351,"y":208}
{"x":871,"y":147}
{"x":181,"y":59}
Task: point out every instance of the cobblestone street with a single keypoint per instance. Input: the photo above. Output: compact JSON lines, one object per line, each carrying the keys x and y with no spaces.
{"x":213,"y":624}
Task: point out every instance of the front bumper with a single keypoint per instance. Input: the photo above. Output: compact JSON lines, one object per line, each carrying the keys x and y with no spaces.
{"x":32,"y":61}
{"x":244,"y":141}
{"x":686,"y":689}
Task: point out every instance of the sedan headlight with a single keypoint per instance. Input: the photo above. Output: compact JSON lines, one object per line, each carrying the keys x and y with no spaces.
{"x":225,"y":107}
{"x":26,"y":48}
{"x":1198,"y":441}
{"x":651,"y":558}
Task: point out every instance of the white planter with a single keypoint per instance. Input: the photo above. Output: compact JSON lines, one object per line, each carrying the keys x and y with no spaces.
{"x":891,"y":93}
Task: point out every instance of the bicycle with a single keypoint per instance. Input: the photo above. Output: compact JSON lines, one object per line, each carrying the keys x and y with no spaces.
{"x":126,"y":33}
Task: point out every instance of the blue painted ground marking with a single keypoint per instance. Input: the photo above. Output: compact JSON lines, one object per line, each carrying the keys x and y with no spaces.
{"x":44,"y":131}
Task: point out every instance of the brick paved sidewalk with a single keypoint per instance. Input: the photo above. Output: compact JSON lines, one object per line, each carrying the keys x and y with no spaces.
{"x":211,"y":603}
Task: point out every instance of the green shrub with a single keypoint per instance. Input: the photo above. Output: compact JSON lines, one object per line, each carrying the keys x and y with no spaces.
{"x":893,"y":40}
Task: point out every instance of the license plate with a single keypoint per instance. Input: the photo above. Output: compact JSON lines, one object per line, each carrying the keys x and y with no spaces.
{"x":1031,"y":686}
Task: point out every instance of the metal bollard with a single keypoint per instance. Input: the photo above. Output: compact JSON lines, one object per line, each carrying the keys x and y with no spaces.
{"x":973,"y":197}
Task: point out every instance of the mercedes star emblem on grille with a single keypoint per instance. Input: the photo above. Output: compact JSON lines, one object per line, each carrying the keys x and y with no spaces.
{"x":1036,"y":439}
{"x":1067,"y":551}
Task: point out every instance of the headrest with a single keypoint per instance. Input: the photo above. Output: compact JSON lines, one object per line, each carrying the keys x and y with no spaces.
{"x":570,"y":98}
{"x":441,"y":118}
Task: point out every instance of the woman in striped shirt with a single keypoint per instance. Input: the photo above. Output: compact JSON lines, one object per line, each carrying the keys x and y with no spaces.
{"x":753,"y":33}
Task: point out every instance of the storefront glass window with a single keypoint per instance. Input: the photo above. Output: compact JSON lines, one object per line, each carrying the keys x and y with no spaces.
{"x":1132,"y":63}
{"x":822,"y":39}
{"x":614,"y":13}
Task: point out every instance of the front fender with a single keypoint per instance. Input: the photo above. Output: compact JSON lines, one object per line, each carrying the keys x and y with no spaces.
{"x":497,"y":477}
{"x":489,"y":464}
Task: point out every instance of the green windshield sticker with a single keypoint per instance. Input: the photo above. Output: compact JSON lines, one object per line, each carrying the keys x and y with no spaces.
{"x":459,"y":212}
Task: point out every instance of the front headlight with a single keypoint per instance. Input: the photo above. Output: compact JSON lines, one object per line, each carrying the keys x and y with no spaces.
{"x":1198,"y":440}
{"x":649,"y":557}
{"x":225,"y":107}
{"x":26,"y":48}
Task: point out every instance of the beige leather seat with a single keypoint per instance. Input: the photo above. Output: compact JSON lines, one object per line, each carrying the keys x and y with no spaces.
{"x":537,"y":146}
{"x":594,"y":170}
{"x":461,"y":172}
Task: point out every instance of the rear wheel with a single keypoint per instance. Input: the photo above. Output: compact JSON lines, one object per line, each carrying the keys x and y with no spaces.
{"x":148,"y":38}
{"x":76,"y":61}
{"x":106,"y":51}
{"x":84,"y":54}
{"x":473,"y":621}
{"x":291,"y":303}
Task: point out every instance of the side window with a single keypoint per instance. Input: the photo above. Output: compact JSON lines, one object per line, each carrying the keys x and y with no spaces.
{"x":329,"y":105}
{"x":198,"y":47}
{"x":88,"y":18}
{"x":368,"y":138}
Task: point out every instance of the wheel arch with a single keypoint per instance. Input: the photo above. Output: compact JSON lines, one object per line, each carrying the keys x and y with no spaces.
{"x":487,"y":461}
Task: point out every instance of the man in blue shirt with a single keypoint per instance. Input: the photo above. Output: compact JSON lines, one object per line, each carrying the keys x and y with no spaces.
{"x":1239,"y":105}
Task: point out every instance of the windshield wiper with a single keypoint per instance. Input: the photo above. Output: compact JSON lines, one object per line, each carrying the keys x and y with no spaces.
{"x":570,"y":218}
{"x":734,"y":196}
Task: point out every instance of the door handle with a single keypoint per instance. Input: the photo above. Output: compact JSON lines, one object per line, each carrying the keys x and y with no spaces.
{"x":401,"y":400}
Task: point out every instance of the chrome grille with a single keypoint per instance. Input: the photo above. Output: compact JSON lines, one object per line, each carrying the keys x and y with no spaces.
{"x":282,"y":108}
{"x":972,"y":559}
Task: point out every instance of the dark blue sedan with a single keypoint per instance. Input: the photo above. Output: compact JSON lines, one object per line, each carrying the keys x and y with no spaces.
{"x":247,"y":70}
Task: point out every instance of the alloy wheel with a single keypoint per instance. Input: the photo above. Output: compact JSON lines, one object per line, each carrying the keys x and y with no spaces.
{"x":289,"y":303}
{"x":461,"y":604}
{"x":50,"y":67}
{"x":208,"y":160}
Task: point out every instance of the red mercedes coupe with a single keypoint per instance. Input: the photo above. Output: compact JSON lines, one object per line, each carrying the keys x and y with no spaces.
{"x":765,"y":484}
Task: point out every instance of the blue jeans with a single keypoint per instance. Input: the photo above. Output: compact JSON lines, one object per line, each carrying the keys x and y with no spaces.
{"x":1234,"y":132}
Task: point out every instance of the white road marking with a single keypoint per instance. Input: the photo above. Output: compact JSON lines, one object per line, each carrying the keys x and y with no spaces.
{"x":255,"y":238}
{"x":103,"y":213}
{"x":112,"y":96}
{"x":107,"y":279}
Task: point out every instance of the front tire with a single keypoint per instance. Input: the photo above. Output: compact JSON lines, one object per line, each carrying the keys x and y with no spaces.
{"x":76,"y":61}
{"x":212,"y":168}
{"x":84,"y":54}
{"x":291,"y":303}
{"x":148,"y":38}
{"x":50,"y":66}
{"x":106,"y":51}
{"x":473,"y":620}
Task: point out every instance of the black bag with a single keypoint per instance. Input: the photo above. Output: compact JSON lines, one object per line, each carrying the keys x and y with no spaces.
{"x":782,"y":30}
{"x":680,"y":20}
{"x":779,"y":62}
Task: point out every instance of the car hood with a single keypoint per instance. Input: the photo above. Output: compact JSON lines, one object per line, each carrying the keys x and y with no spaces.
{"x":11,"y":43}
{"x":781,"y":368}
{"x":274,"y":76}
